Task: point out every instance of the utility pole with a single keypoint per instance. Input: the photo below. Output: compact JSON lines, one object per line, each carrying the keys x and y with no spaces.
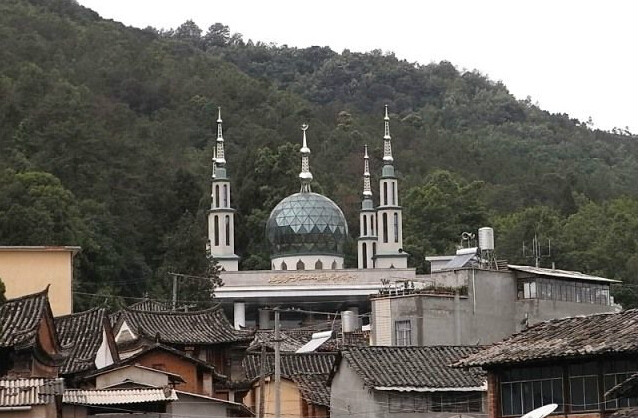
{"x":262,"y":381}
{"x":174,"y":292}
{"x":277,"y":366}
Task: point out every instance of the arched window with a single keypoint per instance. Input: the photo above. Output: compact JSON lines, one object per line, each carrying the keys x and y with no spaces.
{"x":384,"y":225}
{"x":393,"y":193}
{"x":372,"y":225}
{"x":301,"y":265}
{"x":227,"y":220}
{"x":365,"y":225}
{"x":364,"y":255}
{"x":284,"y":266}
{"x":216,"y":232}
{"x":385,"y":192}
{"x":217,"y":195}
{"x":334,"y":265}
{"x":318,"y":265}
{"x":374,"y":253}
{"x":396,"y":227}
{"x":225,"y":195}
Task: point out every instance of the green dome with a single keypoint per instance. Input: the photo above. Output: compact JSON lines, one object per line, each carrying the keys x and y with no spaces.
{"x":306,"y":223}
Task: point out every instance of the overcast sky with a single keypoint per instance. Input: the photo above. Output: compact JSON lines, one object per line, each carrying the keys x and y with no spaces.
{"x":575,"y":57}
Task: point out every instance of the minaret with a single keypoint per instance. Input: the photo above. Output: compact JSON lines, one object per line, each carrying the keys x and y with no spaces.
{"x":221,"y":217}
{"x":390,"y":252}
{"x":367,"y":244}
{"x":305,"y":176}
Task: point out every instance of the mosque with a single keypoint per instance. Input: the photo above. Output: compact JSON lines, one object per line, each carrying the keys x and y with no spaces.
{"x":306,"y":232}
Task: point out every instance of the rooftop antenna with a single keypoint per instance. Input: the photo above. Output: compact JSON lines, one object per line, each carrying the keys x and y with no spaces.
{"x":537,"y":252}
{"x":468,"y":240}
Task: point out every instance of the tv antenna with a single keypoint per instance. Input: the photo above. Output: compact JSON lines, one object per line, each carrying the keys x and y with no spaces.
{"x":538,"y":251}
{"x":468,"y":240}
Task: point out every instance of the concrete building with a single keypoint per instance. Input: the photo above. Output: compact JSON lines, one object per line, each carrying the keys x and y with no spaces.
{"x":470,"y":305}
{"x":307,"y":232}
{"x":29,"y":269}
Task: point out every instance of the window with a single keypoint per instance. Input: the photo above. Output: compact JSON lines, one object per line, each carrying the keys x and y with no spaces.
{"x":396,"y":227}
{"x":374,"y":253}
{"x":407,"y":402}
{"x":393,"y":193}
{"x":364,"y":255}
{"x":614,"y":373}
{"x":563,"y":290}
{"x":301,"y":265}
{"x":217,"y":195}
{"x":216,"y":226}
{"x":365,"y":225}
{"x":385,"y":227}
{"x":334,"y":265}
{"x":284,"y":266}
{"x":225,"y":195}
{"x":403,"y":333}
{"x":318,"y":265}
{"x":583,"y":386}
{"x":385,"y":192}
{"x":227,"y":221}
{"x":458,"y":402}
{"x":371,"y":224}
{"x":524,"y":389}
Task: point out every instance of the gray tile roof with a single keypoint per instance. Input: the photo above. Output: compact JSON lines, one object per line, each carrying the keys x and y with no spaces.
{"x":28,"y":392}
{"x":414,"y":368}
{"x":631,"y":412}
{"x":83,"y":332}
{"x":204,"y":327}
{"x":20,"y":319}
{"x":310,"y":371}
{"x":564,"y":338}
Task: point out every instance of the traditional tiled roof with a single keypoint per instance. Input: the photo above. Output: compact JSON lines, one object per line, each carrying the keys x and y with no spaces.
{"x":208,"y":326}
{"x":580,"y":336}
{"x":414,"y":368}
{"x":118,"y":396}
{"x":150,"y":305}
{"x":293,"y":340}
{"x":27,"y":392}
{"x":310,"y":371}
{"x":631,"y":412}
{"x":83,"y":332}
{"x":20,"y":319}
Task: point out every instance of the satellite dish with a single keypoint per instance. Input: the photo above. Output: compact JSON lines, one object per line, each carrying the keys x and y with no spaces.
{"x":541,"y":412}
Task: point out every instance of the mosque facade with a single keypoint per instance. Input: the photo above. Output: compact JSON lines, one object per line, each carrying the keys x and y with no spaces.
{"x":306,"y":232}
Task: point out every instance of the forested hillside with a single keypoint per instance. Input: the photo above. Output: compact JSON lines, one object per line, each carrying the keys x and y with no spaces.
{"x":106,"y":137}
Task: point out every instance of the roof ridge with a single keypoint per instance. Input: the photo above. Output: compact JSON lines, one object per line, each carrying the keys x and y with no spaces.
{"x":77,"y":314}
{"x":175,"y":313}
{"x":35,"y":295}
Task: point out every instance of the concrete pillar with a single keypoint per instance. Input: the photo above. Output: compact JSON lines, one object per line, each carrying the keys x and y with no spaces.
{"x":264,"y":319}
{"x":239,"y":315}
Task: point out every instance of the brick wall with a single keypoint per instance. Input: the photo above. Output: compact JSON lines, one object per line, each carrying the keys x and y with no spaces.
{"x":493,"y":402}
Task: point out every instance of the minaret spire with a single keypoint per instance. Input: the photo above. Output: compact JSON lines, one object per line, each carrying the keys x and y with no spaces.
{"x":219,"y":156}
{"x":387,"y":144}
{"x":367,"y":189}
{"x":305,"y":176}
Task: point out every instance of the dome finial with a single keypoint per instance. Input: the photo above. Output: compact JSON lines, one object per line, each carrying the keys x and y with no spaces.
{"x":305,"y":176}
{"x":367,"y":190}
{"x":387,"y":144}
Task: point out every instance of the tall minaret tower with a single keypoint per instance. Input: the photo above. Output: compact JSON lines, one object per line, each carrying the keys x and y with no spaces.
{"x":390,"y":252}
{"x":221,"y":217}
{"x":367,"y":244}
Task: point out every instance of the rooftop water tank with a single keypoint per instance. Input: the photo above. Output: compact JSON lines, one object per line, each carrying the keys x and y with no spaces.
{"x":486,"y":238}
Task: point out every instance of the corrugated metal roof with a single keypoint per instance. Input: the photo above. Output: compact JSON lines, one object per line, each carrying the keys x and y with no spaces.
{"x":26,"y":392}
{"x":563,"y":274}
{"x":118,"y":396}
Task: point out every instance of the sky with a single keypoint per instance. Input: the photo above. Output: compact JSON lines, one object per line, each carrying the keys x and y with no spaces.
{"x":574,"y":57}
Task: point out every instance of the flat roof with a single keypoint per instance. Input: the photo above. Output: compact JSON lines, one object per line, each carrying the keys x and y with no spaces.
{"x":72,"y":248}
{"x":563,"y":274}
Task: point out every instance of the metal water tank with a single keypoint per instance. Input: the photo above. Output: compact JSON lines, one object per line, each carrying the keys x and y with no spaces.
{"x":349,"y":321}
{"x":486,"y":238}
